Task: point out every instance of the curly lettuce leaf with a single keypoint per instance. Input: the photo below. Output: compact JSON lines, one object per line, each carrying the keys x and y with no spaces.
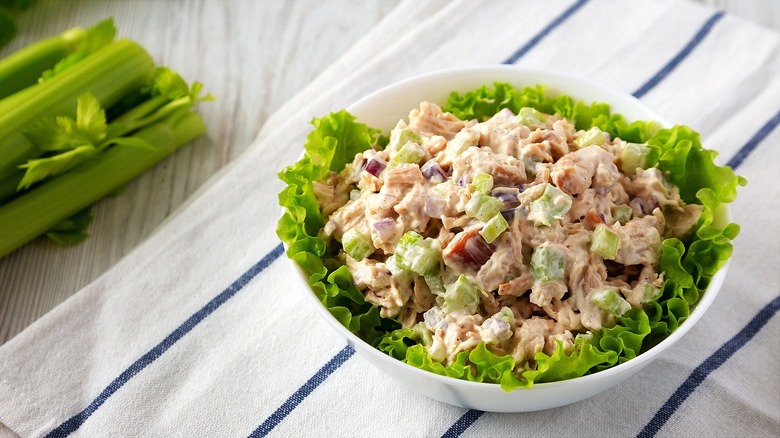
{"x":336,"y":139}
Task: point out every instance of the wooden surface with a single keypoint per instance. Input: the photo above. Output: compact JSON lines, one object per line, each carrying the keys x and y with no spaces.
{"x":254,"y":55}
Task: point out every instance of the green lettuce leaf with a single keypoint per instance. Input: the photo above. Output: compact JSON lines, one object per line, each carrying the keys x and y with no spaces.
{"x":336,"y":139}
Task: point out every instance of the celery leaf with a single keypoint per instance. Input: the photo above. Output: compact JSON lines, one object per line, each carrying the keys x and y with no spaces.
{"x":96,"y":37}
{"x":40,"y":168}
{"x":90,"y":118}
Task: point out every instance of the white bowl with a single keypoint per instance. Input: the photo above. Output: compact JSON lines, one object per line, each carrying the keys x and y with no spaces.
{"x":382,"y":109}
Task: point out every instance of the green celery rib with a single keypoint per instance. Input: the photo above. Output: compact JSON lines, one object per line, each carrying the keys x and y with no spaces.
{"x":38,"y":210}
{"x":109,"y":74}
{"x":9,"y":184}
{"x":23,"y":67}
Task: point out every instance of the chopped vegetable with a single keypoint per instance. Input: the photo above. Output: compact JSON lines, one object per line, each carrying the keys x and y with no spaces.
{"x":410,"y":152}
{"x":375,"y":166}
{"x":611,"y":301}
{"x":604,"y":242}
{"x":356,"y":244}
{"x":432,"y":171}
{"x":622,"y":213}
{"x":461,"y":296}
{"x":461,"y":142}
{"x":591,"y":137}
{"x":531,"y":117}
{"x":550,"y":206}
{"x":418,"y":255}
{"x":547,"y":263}
{"x":482,"y":182}
{"x":493,"y":228}
{"x":399,"y":137}
{"x":634,"y":156}
{"x":483,"y":207}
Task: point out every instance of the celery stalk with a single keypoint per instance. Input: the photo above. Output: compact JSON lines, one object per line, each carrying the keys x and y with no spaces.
{"x":28,"y":65}
{"x":9,"y":184}
{"x":35,"y":212}
{"x":109,"y":74}
{"x":23,"y":67}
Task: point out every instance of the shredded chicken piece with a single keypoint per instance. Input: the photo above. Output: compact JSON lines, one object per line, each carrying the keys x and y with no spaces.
{"x":429,"y":120}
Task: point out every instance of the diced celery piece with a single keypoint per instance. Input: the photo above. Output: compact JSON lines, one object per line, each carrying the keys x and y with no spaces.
{"x":622,"y":213}
{"x":493,"y":228}
{"x":418,"y":255}
{"x":410,"y":152}
{"x":398,"y":272}
{"x":442,"y":189}
{"x":529,"y":116}
{"x":591,"y":137}
{"x":530,"y":162}
{"x":634,"y":156}
{"x":483,"y":207}
{"x":551,"y":206}
{"x":435,"y":284}
{"x":482,"y":182}
{"x":547,"y":263}
{"x":462,"y":141}
{"x":604,"y":242}
{"x":422,"y":334}
{"x":462,"y":295}
{"x":399,"y":137}
{"x":611,"y":301}
{"x":356,"y":244}
{"x":650,"y":292}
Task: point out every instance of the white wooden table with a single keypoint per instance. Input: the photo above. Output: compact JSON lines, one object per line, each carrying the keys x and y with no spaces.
{"x":254,"y":55}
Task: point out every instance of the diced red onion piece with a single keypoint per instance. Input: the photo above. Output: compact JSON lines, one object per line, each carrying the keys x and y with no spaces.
{"x":434,"y":206}
{"x":506,"y":195}
{"x":375,"y":166}
{"x":433,"y":171}
{"x":385,"y":229}
{"x":463,"y":180}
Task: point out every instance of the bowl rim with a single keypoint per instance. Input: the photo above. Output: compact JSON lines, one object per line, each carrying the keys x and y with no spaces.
{"x":697,"y":310}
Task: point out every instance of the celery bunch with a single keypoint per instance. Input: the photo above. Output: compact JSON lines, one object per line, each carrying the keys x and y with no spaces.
{"x":80,"y":116}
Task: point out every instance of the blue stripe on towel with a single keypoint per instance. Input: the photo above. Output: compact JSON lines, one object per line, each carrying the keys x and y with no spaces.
{"x":668,"y":68}
{"x":74,"y":422}
{"x":298,"y":396}
{"x":708,"y":366}
{"x":543,"y":33}
{"x":754,"y":141}
{"x":463,"y":423}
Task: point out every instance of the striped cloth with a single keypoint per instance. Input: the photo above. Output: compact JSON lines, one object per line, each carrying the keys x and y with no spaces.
{"x":201,"y":331}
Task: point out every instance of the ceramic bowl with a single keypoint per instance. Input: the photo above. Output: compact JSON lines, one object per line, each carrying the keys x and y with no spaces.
{"x":382,"y":109}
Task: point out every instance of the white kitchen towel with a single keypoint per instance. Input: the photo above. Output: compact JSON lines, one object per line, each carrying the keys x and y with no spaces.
{"x":201,"y":330}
